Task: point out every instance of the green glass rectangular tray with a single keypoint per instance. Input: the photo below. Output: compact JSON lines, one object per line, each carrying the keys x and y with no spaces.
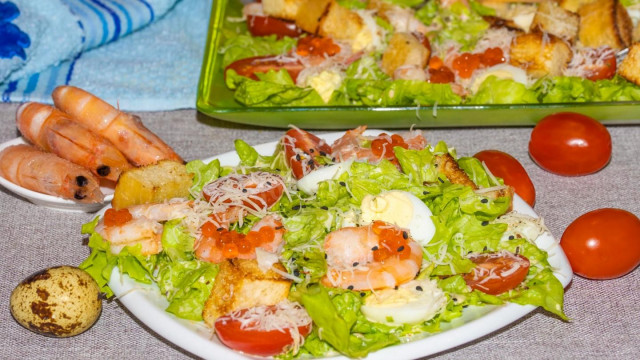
{"x":216,"y":100}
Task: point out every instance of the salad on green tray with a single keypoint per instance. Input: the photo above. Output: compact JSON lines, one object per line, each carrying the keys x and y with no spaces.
{"x":320,"y":249}
{"x":393,"y":53}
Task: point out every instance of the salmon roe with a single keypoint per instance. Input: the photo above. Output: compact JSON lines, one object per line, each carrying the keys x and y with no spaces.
{"x":393,"y":242}
{"x":114,"y":217}
{"x":466,"y":63}
{"x":382,"y":146}
{"x":316,"y":46}
{"x":233,"y":243}
{"x":438,"y":73}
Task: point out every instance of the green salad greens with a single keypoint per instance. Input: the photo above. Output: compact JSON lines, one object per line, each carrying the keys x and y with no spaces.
{"x":358,"y":76}
{"x":465,"y":222}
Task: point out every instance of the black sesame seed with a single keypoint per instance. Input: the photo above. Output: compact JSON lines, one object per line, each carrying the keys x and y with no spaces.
{"x":220,"y":229}
{"x":324,"y":208}
{"x":419,"y":288}
{"x":425,"y":193}
{"x":304,"y":206}
{"x":405,"y":235}
{"x":401,"y":248}
{"x":484,"y":201}
{"x":465,"y":306}
{"x":362,"y":294}
{"x":342,"y":183}
{"x":333,"y":159}
{"x":455,"y":299}
{"x":269,"y":183}
{"x":350,"y":287}
{"x":485,"y":223}
{"x":296,"y":272}
{"x":311,"y":151}
{"x":79,"y":195}
{"x":322,"y":153}
{"x":355,"y":264}
{"x":103,"y":170}
{"x":325,"y":256}
{"x":298,"y":157}
{"x":295,"y":207}
{"x":511,"y":237}
{"x":244,"y":190}
{"x":81,"y":181}
{"x":396,"y":287}
{"x":305,"y":258}
{"x":442,"y":181}
{"x":484,"y":248}
{"x":517,"y":250}
{"x":279,"y":227}
{"x":375,"y":248}
{"x":435,"y":165}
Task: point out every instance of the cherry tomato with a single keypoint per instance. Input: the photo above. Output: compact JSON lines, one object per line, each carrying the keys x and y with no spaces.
{"x":570,"y":144}
{"x":511,"y":171}
{"x":267,"y":25}
{"x":607,"y":67}
{"x":256,"y":191}
{"x":249,"y":67}
{"x":498,"y":272}
{"x":301,"y":148}
{"x":255,"y":342}
{"x":603,"y":244}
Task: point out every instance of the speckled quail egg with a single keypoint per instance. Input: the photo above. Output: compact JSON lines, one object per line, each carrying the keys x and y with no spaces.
{"x":60,"y":301}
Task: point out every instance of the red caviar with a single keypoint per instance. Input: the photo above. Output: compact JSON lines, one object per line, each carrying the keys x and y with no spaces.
{"x":114,"y":217}
{"x":466,"y":63}
{"x":233,"y":243}
{"x":393,"y":242}
{"x":438,"y":73}
{"x":316,"y":46}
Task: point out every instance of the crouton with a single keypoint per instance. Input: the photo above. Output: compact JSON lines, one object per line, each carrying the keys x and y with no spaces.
{"x":540,"y":54}
{"x":636,"y":33}
{"x":404,"y":50}
{"x":283,"y":9}
{"x":605,"y":22}
{"x":573,"y":5}
{"x":448,"y":166}
{"x":310,"y":14}
{"x":341,"y":23}
{"x":630,"y":66}
{"x":553,"y":19}
{"x":241,"y":284}
{"x":515,"y":16}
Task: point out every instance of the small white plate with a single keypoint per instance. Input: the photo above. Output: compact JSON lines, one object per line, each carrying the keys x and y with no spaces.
{"x":50,"y":201}
{"x":146,"y":303}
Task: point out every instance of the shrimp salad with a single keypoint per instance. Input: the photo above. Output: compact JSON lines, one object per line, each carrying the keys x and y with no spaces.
{"x":387,"y":53}
{"x":330,"y":248}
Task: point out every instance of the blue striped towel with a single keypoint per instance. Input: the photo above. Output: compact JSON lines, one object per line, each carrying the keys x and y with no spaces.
{"x":139,"y":54}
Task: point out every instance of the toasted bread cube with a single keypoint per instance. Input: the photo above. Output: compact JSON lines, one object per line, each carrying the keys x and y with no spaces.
{"x":283,"y":9}
{"x":310,"y":14}
{"x":404,"y":49}
{"x":152,"y":183}
{"x":553,"y":19}
{"x":341,"y":23}
{"x":240,"y":284}
{"x":636,"y":33}
{"x":573,"y":5}
{"x":513,"y":15}
{"x":630,"y":66}
{"x":605,"y":22}
{"x":540,"y":54}
{"x":448,"y":166}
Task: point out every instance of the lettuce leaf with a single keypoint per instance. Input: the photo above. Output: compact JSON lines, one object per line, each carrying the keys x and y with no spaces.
{"x":502,"y":91}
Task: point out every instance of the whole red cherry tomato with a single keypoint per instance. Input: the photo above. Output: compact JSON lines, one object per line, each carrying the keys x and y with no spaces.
{"x":511,"y":171}
{"x":603,"y":244}
{"x":498,"y":272}
{"x":570,"y":144}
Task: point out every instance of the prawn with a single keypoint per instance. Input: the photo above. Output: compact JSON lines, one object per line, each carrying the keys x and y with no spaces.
{"x":140,"y":225}
{"x":351,"y":145}
{"x":355,"y":258}
{"x":125,"y":131}
{"x":51,"y":130}
{"x":47,"y":173}
{"x":216,"y":245}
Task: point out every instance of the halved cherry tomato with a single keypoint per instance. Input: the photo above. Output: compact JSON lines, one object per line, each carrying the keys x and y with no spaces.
{"x":498,"y":272}
{"x":570,"y":144}
{"x":267,"y":25}
{"x":607,"y":67}
{"x":257,"y":191}
{"x":254,"y":342}
{"x":511,"y":171}
{"x":249,"y":67}
{"x":301,"y":148}
{"x":603,"y":244}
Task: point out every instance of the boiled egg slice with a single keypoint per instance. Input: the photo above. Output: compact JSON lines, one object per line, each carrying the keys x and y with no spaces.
{"x":411,"y":303}
{"x":402,"y":209}
{"x":501,"y":71}
{"x":309,"y":183}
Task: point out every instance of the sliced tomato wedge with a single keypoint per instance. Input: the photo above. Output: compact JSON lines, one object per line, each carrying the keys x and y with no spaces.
{"x":497,"y":272}
{"x":301,"y":148}
{"x":251,"y":338}
{"x":267,"y":25}
{"x":256,"y":191}
{"x":251,"y":66}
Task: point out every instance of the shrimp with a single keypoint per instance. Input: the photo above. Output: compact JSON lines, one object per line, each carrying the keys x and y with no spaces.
{"x":51,"y":130}
{"x":142,"y":225}
{"x":47,"y":173}
{"x":350,"y":145}
{"x":353,"y":263}
{"x":125,"y":131}
{"x":216,"y":245}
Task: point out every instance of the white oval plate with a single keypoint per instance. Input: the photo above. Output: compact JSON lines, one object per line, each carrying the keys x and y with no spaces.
{"x":50,"y":201}
{"x":146,"y":303}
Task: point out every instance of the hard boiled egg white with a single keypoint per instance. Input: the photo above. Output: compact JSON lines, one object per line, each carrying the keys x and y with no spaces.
{"x":501,"y":71}
{"x":411,"y":303}
{"x":402,"y":209}
{"x":310,"y":182}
